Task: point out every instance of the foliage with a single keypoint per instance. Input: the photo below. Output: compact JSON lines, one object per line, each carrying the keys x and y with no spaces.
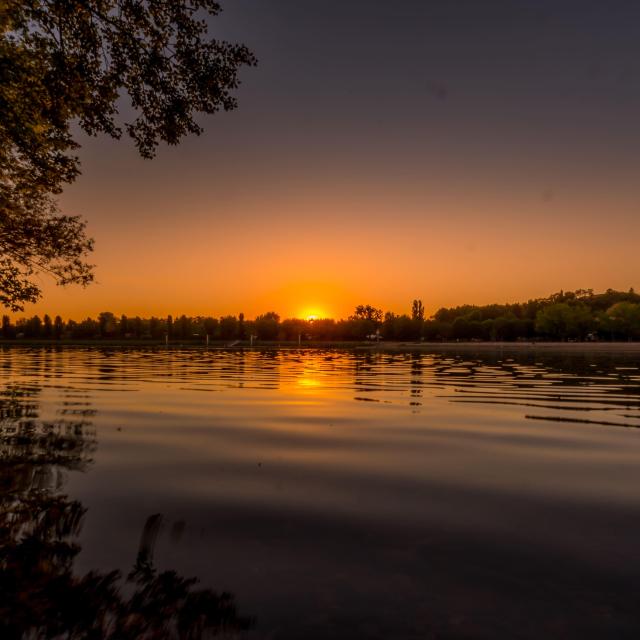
{"x":368,"y":313}
{"x":266,"y":326}
{"x":35,"y":238}
{"x":562,"y":320}
{"x":564,"y":316}
{"x":64,"y":62}
{"x":417,"y":310}
{"x":623,"y":319}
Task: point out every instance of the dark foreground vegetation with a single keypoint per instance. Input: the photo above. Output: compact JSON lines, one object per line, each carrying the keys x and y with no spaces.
{"x":572,"y":315}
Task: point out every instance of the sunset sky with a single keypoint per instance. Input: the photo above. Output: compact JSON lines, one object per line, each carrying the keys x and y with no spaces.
{"x":456,"y":151}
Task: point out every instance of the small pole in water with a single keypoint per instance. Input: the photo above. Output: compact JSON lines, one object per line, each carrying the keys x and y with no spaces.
{"x":207,"y":339}
{"x":166,"y":339}
{"x":251,"y":337}
{"x":299,"y":339}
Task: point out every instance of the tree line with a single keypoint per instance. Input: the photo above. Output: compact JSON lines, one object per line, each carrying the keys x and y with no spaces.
{"x":567,"y":315}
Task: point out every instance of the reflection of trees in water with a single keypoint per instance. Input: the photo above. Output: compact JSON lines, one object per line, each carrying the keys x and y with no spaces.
{"x":417,"y":365}
{"x":40,"y":597}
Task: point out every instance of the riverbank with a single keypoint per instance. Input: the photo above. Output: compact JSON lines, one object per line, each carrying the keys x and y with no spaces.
{"x":436,"y":347}
{"x":519,"y":347}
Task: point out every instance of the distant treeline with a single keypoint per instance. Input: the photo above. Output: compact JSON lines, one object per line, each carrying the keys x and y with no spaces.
{"x":567,"y":315}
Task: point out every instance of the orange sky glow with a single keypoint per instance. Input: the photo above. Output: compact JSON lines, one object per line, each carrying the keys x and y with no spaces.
{"x":322,"y":251}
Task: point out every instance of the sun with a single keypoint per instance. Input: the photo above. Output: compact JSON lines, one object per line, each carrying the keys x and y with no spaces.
{"x":312,"y":314}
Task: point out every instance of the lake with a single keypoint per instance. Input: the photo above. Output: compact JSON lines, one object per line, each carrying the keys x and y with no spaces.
{"x":319,"y":494}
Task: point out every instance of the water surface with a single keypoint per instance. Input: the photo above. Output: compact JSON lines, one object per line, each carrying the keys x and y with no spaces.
{"x":319,"y":494}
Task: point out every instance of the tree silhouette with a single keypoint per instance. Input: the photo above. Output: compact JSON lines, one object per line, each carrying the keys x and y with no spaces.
{"x":417,"y":310}
{"x":367,"y":312}
{"x":58,"y":327}
{"x":169,"y":327}
{"x":266,"y":325}
{"x":47,"y":326}
{"x":71,"y":61}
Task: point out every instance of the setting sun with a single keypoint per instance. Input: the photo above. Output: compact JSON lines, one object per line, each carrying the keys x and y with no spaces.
{"x":312,"y":314}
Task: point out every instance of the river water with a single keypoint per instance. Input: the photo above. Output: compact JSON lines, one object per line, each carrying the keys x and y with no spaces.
{"x":319,"y":494}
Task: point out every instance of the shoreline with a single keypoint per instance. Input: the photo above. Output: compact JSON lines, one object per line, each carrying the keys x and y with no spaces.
{"x":523,"y":347}
{"x":520,"y":347}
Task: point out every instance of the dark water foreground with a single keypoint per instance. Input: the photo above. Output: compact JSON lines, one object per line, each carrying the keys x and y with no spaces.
{"x":337,"y":494}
